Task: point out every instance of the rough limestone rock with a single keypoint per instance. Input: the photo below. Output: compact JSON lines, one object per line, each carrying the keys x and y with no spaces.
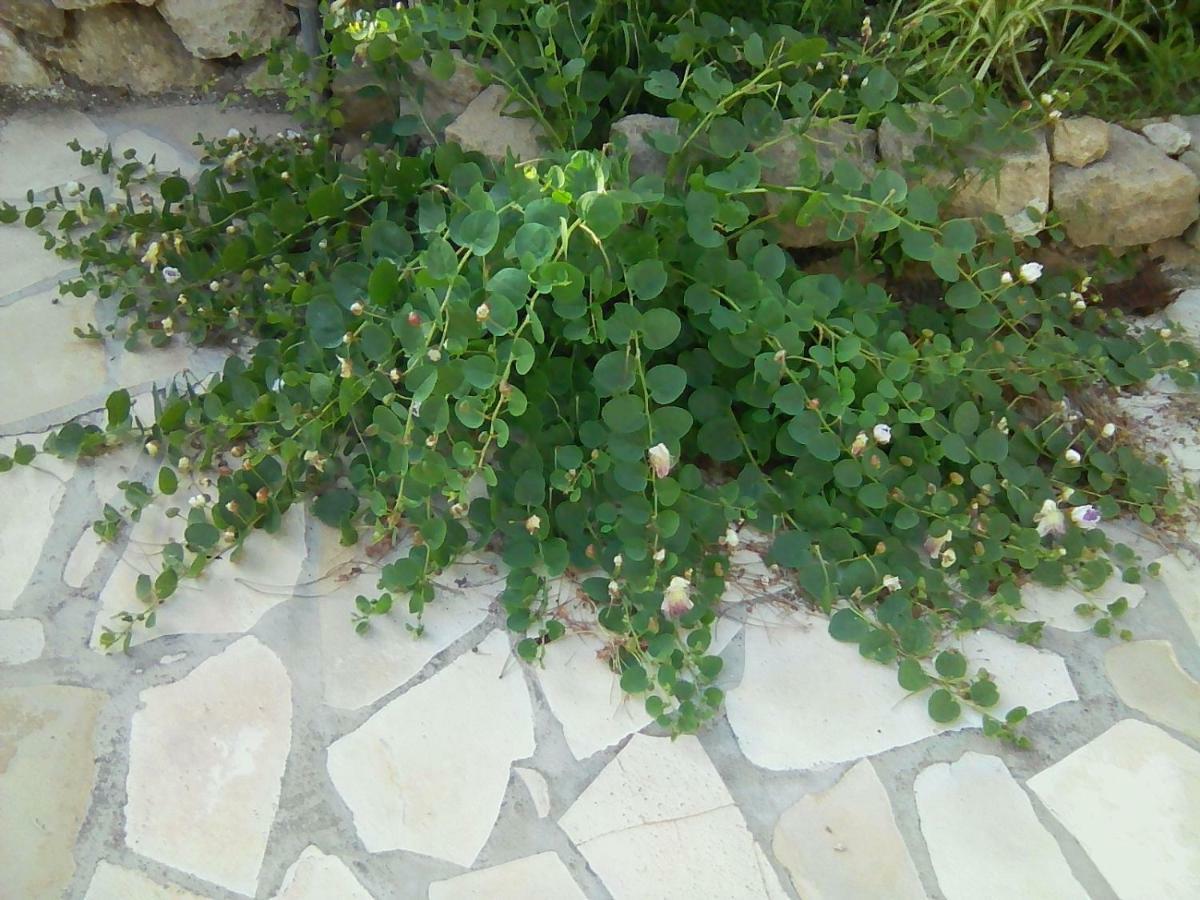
{"x":829,"y":142}
{"x":1021,"y":181}
{"x":39,"y":16}
{"x":18,"y":67}
{"x":483,"y":127}
{"x":1168,"y":137}
{"x":1080,"y":141}
{"x":632,"y":133}
{"x":1191,"y":159}
{"x":131,"y":47}
{"x":1135,"y":195}
{"x":91,"y":4}
{"x":423,"y":95}
{"x":205,"y":26}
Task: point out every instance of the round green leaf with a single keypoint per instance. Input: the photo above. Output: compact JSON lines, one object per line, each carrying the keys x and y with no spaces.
{"x":659,"y":328}
{"x":646,"y":279}
{"x":943,"y":707}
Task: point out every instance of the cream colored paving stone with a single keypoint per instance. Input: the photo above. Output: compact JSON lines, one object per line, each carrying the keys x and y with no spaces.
{"x":228,"y":597}
{"x":319,"y":876}
{"x":428,"y":772}
{"x":29,"y":500}
{"x":47,"y":771}
{"x":110,"y":882}
{"x":984,"y":838}
{"x":37,"y":340}
{"x":131,"y":368}
{"x":542,"y":875}
{"x":1180,"y":572}
{"x":1056,"y":605}
{"x":1148,"y":677}
{"x":21,"y":641}
{"x":844,"y":843}
{"x":25,"y":261}
{"x":178,"y":125}
{"x":782,"y":723}
{"x":359,"y":669}
{"x":1131,"y":797}
{"x":539,"y":789}
{"x":34,"y":148}
{"x":206,"y":761}
{"x":658,"y":822}
{"x":583,"y":691}
{"x":84,"y":556}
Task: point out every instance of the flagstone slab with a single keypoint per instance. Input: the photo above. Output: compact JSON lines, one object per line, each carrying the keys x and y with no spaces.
{"x":206,"y":761}
{"x":1056,"y":605}
{"x":25,"y":261}
{"x":57,"y":368}
{"x":806,"y":700}
{"x":84,"y":556}
{"x":984,"y":838}
{"x":658,"y":822}
{"x":111,"y":882}
{"x":1180,"y":572}
{"x":230,"y":596}
{"x":844,"y":842}
{"x":29,"y":500}
{"x":1148,"y":677}
{"x":53,"y":163}
{"x":319,"y":876}
{"x":428,"y":772}
{"x":541,"y":875}
{"x":360,"y":669}
{"x":582,"y":690}
{"x":47,"y":771}
{"x":538,"y":788}
{"x":21,"y":641}
{"x":1131,"y":797}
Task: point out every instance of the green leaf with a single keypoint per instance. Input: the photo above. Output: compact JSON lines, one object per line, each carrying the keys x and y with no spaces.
{"x":335,"y":507}
{"x":168,"y":483}
{"x":663,"y":84}
{"x":659,"y":328}
{"x":202,"y":535}
{"x":966,"y":418}
{"x":666,"y":382}
{"x":118,"y":405}
{"x":992,"y":446}
{"x":848,"y":625}
{"x":478,"y":231}
{"x":943,"y":707}
{"x":326,"y":322}
{"x":174,"y":189}
{"x":614,"y":373}
{"x":624,"y":414}
{"x":950,"y":664}
{"x":602,"y":213}
{"x":985,"y":693}
{"x":911,"y":675}
{"x":634,"y":680}
{"x":646,"y":279}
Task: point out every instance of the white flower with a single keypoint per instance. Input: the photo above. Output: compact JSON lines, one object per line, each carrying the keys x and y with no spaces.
{"x":347,"y":368}
{"x":533,"y":524}
{"x":74,"y":188}
{"x":1108,"y":430}
{"x":882,"y":434}
{"x":434,"y":354}
{"x":844,"y":79}
{"x":660,"y":460}
{"x":618,"y":561}
{"x":676,"y":598}
{"x":891,"y":582}
{"x":1079,"y":306}
{"x":1030,"y":272}
{"x":214,"y":285}
{"x":614,"y":590}
{"x":1055,"y":114}
{"x":1006,"y":278}
{"x":229,"y":535}
{"x":731,"y":540}
{"x":482,"y":312}
{"x":458,"y":510}
{"x":199,"y":501}
{"x":1002,"y":425}
{"x":168,"y":326}
{"x":1165,"y":333}
{"x":395,"y":376}
{"x":660,"y":555}
{"x":934,"y":545}
{"x":1072,"y":456}
{"x":1049,"y":519}
{"x":949,"y":557}
{"x":859,"y":444}
{"x":819,"y":67}
{"x":1087,"y":516}
{"x":1046,"y":99}
{"x":233,"y":134}
{"x":153,"y":255}
{"x":356,"y":308}
{"x":152,"y":448}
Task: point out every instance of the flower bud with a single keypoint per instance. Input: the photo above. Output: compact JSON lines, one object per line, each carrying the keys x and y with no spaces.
{"x":356,"y":308}
{"x":262,"y":495}
{"x":533,"y":524}
{"x":152,"y":448}
{"x":482,"y":312}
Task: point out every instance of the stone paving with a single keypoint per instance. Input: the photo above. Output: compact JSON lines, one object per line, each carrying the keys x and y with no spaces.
{"x":253,"y":746}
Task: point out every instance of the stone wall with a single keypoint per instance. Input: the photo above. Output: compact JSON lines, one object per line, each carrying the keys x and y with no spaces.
{"x":145,"y":46}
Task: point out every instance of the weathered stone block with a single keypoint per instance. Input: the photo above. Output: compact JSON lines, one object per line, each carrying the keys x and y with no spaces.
{"x":632,"y":133}
{"x":19,"y":67}
{"x":128,"y":46}
{"x":1080,"y":141}
{"x":483,"y":127}
{"x":1135,"y":195}
{"x":205,"y":26}
{"x":38,"y":16}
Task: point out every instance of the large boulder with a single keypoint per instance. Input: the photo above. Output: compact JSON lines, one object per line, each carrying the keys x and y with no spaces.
{"x":38,"y":16}
{"x":1135,"y":195}
{"x":1079,"y":141}
{"x":91,"y":4}
{"x":433,"y":101}
{"x":1008,"y":183}
{"x":205,"y":26}
{"x":484,"y":127}
{"x":128,"y":46}
{"x":19,"y":67}
{"x":827,"y":142}
{"x":632,"y":133}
